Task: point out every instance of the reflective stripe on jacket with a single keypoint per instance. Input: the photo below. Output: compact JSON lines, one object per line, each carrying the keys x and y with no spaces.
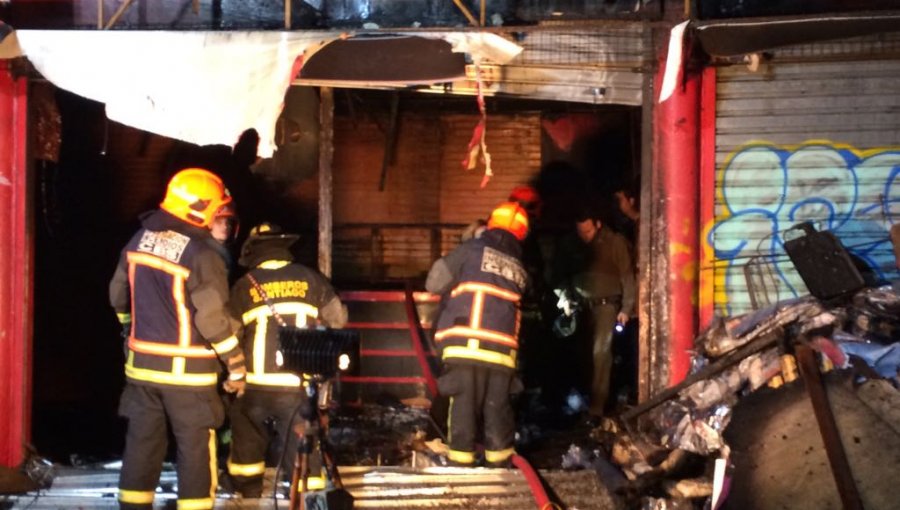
{"x":480,"y":320}
{"x":298,"y":294}
{"x":164,"y":346}
{"x":175,"y":287}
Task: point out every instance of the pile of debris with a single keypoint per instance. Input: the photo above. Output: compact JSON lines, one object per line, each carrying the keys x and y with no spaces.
{"x":383,"y":435}
{"x":673,"y":449}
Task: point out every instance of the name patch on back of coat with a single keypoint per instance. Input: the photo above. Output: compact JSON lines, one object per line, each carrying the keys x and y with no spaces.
{"x":167,"y":244}
{"x":501,"y":264}
{"x":281,"y":289}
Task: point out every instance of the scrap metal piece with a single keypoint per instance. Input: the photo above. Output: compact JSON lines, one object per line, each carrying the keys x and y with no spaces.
{"x":834,"y":448}
{"x":711,"y":370}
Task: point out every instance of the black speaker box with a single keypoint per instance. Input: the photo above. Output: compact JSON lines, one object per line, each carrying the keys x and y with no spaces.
{"x":823,"y":263}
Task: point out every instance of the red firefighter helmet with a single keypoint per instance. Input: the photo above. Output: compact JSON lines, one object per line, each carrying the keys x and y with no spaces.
{"x":510,"y":216}
{"x":528,"y":198}
{"x":195,"y":195}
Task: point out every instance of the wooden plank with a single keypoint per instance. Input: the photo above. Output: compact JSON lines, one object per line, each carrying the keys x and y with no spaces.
{"x":326,"y":187}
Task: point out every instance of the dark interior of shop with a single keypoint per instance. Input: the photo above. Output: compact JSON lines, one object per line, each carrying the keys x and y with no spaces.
{"x":86,"y":207}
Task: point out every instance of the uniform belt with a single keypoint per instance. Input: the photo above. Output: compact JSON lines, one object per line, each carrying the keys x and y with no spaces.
{"x":612,"y":300}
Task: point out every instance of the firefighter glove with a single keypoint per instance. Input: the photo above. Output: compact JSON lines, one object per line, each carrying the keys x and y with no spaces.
{"x":236,"y":383}
{"x":125,"y":322}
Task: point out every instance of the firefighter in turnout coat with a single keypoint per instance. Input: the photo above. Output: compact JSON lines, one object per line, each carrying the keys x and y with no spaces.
{"x":481,"y":282}
{"x":274,"y":400}
{"x":170,"y":291}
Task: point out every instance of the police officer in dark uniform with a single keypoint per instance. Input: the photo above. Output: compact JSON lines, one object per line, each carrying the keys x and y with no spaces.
{"x":170,"y":291}
{"x":482,"y":281}
{"x":606,"y":281}
{"x":274,"y":291}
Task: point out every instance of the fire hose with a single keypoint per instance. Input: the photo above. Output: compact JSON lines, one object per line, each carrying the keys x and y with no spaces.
{"x":534,"y":483}
{"x":531,"y":476}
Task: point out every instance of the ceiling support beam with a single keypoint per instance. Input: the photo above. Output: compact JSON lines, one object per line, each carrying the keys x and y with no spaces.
{"x":118,"y":14}
{"x":287,"y":14}
{"x":466,"y":12}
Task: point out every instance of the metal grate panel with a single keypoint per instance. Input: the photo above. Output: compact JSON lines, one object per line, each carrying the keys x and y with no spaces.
{"x":817,"y":140}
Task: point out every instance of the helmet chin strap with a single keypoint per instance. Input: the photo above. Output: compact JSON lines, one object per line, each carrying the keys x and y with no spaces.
{"x":199,"y":217}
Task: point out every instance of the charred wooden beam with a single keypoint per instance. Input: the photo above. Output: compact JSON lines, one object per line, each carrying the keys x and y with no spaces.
{"x":326,"y":188}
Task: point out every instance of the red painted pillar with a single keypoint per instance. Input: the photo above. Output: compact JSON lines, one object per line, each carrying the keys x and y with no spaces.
{"x":678,"y":160}
{"x":707,"y":194}
{"x":15,"y":270}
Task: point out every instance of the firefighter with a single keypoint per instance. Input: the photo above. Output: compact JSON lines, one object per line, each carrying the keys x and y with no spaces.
{"x":223,"y":229}
{"x":482,"y":281}
{"x":170,"y":291}
{"x":299,"y":296}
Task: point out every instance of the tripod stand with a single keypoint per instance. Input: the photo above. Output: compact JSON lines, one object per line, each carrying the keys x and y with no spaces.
{"x":313,"y":432}
{"x":326,"y":353}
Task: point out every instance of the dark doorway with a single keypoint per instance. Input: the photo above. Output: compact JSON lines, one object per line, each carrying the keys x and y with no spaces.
{"x":87,"y":206}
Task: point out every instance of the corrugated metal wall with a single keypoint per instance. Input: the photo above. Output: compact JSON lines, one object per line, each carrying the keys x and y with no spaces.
{"x":428,"y":197}
{"x":411,"y":187}
{"x":813,"y":135}
{"x":514,"y":142}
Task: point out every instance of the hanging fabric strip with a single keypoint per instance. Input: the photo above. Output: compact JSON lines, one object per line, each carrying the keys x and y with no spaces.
{"x":478,"y":144}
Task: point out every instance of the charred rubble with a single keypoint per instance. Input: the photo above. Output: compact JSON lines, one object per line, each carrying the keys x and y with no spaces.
{"x":739,"y":432}
{"x":706,"y":442}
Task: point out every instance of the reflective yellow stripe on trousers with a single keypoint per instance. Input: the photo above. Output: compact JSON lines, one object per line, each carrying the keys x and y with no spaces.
{"x":196,"y":504}
{"x":136,"y":497}
{"x":255,"y":469}
{"x":461,"y":456}
{"x":498,"y":455}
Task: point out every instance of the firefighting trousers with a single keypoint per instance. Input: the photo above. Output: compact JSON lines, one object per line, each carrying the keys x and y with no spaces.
{"x":263,"y":433}
{"x":604,"y":319}
{"x":193,"y":416}
{"x":479,"y":395}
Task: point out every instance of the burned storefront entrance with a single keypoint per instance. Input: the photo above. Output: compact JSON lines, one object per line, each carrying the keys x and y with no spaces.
{"x":403,"y":194}
{"x":575,"y":156}
{"x":595,"y":144}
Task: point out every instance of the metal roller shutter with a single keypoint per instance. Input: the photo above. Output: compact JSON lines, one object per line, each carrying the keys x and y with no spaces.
{"x":514,"y":142}
{"x":812,"y":136}
{"x":599,"y":63}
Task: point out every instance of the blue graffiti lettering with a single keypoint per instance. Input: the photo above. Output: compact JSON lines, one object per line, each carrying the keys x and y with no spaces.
{"x":765,"y":189}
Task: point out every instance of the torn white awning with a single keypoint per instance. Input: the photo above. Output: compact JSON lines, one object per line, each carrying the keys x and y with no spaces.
{"x":200,"y":87}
